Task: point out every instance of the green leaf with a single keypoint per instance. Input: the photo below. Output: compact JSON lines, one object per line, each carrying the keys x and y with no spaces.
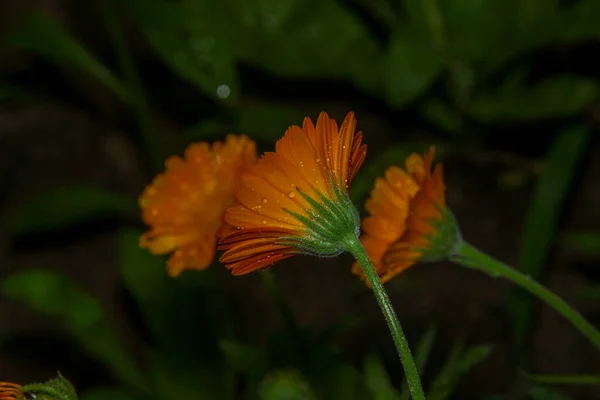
{"x":442,"y":115}
{"x":308,"y":39}
{"x":585,"y":242}
{"x":579,"y":22}
{"x":286,"y":384}
{"x":45,"y":37}
{"x":344,"y":382}
{"x":414,"y":61}
{"x":243,"y":358}
{"x":544,"y":211}
{"x":565,"y":379}
{"x":421,"y":356}
{"x":538,"y":392}
{"x":16,"y":95}
{"x":266,"y":122}
{"x":473,"y":27}
{"x":186,"y":35}
{"x":377,"y":380}
{"x":557,"y":97}
{"x":51,"y":293}
{"x":186,"y":316}
{"x":105,"y":393}
{"x":68,"y":205}
{"x":458,"y":363}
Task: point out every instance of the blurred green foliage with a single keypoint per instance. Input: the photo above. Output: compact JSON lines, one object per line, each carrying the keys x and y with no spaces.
{"x":461,"y":65}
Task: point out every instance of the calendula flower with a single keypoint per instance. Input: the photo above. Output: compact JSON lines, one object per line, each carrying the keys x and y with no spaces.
{"x":11,"y":391}
{"x":295,"y":200}
{"x":409,"y":220}
{"x":184,"y":206}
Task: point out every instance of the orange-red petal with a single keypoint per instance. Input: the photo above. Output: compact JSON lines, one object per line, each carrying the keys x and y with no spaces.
{"x":10,"y":391}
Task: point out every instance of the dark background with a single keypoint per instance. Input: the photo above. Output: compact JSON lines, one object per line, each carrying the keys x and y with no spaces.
{"x":508,"y":92}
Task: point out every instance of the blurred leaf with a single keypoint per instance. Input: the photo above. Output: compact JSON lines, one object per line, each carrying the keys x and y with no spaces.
{"x":459,"y":363}
{"x":585,"y":242}
{"x":308,"y":39}
{"x":556,"y":97}
{"x":243,"y":358}
{"x":207,"y":130}
{"x":377,"y":380}
{"x":105,"y":393}
{"x":285,"y":385}
{"x":163,"y":298}
{"x":186,"y":316}
{"x":414,"y":61}
{"x":64,"y":206}
{"x":421,"y":356}
{"x":43,"y":36}
{"x":51,"y":293}
{"x":266,"y":122}
{"x":580,"y":21}
{"x":538,"y":392}
{"x":473,"y":27}
{"x":440,"y":114}
{"x":194,"y":377}
{"x":565,"y":379}
{"x":344,"y":382}
{"x":544,"y":211}
{"x":16,"y":94}
{"x":186,"y":36}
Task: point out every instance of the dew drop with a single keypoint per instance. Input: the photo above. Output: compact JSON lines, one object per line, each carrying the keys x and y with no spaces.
{"x":223,"y":91}
{"x":264,"y":200}
{"x":318,"y":160}
{"x":292,"y":194}
{"x":264,"y":221}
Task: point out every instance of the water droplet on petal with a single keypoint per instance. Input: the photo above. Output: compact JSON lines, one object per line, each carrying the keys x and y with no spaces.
{"x":318,"y":160}
{"x":292,"y":194}
{"x":264,"y":221}
{"x":264,"y":200}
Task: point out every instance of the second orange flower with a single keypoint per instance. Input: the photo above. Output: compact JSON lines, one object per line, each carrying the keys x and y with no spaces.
{"x":409,"y":220}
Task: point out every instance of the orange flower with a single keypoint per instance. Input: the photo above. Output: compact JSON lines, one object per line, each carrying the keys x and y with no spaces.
{"x":295,"y":200}
{"x":408,"y":219}
{"x":184,"y":206}
{"x":11,"y":391}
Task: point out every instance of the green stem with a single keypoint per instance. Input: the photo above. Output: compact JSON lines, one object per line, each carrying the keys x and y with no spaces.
{"x":136,"y":97}
{"x":469,"y":256}
{"x":410,"y":369}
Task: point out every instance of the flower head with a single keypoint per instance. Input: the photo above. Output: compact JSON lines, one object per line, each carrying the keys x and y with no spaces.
{"x":295,"y":200}
{"x":184,"y":206}
{"x":11,"y":391}
{"x":408,"y":221}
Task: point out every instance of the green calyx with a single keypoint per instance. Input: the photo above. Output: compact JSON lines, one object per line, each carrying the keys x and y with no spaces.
{"x":55,"y":389}
{"x":445,"y":239}
{"x":330,"y":222}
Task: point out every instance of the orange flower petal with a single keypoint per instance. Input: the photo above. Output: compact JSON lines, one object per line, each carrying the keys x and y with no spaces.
{"x":184,"y":206}
{"x":303,"y":164}
{"x":401,"y":207}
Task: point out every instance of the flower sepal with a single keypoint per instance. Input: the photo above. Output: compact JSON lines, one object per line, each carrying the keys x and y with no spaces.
{"x":331,"y":222}
{"x":445,"y":238}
